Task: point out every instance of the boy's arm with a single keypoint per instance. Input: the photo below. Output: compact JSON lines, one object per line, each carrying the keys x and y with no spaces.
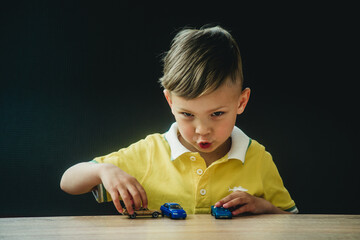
{"x":83,"y":177}
{"x":80,"y":178}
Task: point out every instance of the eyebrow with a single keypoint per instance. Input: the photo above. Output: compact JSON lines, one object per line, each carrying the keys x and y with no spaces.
{"x":211,"y":110}
{"x":216,"y":109}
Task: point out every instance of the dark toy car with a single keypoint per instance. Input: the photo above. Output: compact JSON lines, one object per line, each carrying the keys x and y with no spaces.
{"x":173,"y":210}
{"x":220,"y":212}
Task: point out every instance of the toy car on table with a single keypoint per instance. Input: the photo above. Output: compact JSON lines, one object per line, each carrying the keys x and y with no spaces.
{"x":173,"y":210}
{"x":143,"y":212}
{"x":221,"y":212}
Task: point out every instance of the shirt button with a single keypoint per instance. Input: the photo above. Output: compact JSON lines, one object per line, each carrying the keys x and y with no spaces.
{"x":203,"y":192}
{"x":192,"y":158}
{"x":199,"y":171}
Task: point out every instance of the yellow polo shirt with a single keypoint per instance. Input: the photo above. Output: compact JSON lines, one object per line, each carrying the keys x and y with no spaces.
{"x":171,"y":173}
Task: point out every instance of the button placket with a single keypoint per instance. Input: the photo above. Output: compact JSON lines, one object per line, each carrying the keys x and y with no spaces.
{"x":198,"y":167}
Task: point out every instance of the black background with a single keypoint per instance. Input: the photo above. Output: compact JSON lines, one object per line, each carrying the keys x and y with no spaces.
{"x":79,"y":80}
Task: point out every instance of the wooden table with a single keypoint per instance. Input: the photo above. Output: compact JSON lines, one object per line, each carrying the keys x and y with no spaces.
{"x":194,"y":227}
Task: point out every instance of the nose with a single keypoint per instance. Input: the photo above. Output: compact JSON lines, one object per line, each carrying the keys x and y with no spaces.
{"x":202,"y":129}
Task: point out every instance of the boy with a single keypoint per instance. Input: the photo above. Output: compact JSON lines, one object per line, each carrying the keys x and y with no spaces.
{"x":204,"y":159}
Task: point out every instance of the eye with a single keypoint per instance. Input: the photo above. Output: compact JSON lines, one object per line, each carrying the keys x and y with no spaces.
{"x":187,"y":114}
{"x":217,"y":114}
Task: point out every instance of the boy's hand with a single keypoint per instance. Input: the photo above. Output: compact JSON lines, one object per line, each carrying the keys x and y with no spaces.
{"x":247,"y":203}
{"x":119,"y":184}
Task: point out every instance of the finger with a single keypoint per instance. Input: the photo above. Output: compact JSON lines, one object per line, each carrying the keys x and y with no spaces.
{"x":143,"y":196}
{"x":115,"y":198}
{"x":135,"y":195}
{"x":236,"y":202}
{"x":244,"y":209}
{"x":224,"y":201}
{"x":127,"y":200}
{"x":228,"y":198}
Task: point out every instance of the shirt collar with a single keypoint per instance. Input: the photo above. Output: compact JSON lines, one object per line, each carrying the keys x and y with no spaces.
{"x":239,"y":143}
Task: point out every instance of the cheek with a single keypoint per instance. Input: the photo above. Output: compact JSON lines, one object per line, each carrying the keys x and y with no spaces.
{"x":185,"y":129}
{"x":224,"y":133}
{"x":225,"y":129}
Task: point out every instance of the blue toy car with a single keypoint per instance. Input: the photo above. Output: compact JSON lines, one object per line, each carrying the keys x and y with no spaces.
{"x":220,"y":212}
{"x":173,"y":210}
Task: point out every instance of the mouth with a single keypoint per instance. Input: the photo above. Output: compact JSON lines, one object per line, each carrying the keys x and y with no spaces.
{"x":204,"y":145}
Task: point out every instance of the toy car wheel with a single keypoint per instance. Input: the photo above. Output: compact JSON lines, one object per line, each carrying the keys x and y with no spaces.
{"x":132,"y":216}
{"x":155,"y":214}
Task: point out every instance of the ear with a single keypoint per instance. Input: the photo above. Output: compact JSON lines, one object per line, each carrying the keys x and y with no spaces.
{"x":243,"y":100}
{"x":168,"y":97}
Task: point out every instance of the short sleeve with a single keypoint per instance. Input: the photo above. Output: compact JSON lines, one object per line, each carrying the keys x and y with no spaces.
{"x":274,"y":189}
{"x":134,"y":160}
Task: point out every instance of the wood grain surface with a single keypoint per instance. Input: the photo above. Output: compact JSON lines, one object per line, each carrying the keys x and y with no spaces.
{"x":299,"y":226}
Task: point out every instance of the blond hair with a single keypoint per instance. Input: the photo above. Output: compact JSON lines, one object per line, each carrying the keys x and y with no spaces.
{"x":199,"y":61}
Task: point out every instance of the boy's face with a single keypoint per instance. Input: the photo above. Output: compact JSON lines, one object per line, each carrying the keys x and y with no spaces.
{"x":205,"y":123}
